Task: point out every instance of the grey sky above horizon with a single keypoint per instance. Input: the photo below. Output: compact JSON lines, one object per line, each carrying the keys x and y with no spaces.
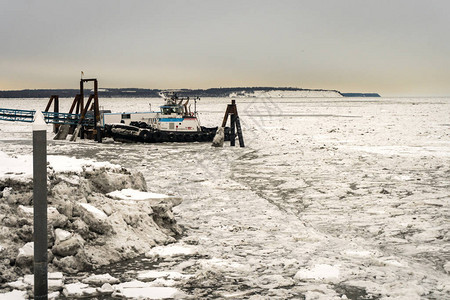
{"x":395,"y":47}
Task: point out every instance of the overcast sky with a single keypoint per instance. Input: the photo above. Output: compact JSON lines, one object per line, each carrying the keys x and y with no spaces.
{"x":392,"y":47}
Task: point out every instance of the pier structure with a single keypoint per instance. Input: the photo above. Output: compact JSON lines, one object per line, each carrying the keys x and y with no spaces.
{"x":81,"y":120}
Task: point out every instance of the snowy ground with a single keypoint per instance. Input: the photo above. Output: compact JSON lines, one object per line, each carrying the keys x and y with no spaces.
{"x":331,"y":197}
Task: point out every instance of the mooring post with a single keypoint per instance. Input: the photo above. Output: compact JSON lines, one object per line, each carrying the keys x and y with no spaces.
{"x":235,"y":124}
{"x":239,"y":132}
{"x":40,"y":206}
{"x":97,"y":113}
{"x":232,"y":130}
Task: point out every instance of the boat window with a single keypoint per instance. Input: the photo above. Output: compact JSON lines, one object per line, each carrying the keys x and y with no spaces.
{"x":172,"y":110}
{"x":167,"y":110}
{"x":126,"y":116}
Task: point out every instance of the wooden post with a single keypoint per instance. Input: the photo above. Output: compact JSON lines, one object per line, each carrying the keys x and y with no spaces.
{"x":225,"y":117}
{"x":81,"y":96}
{"x":97,"y":113}
{"x":56,"y":111}
{"x":75,"y":107}
{"x":49,"y":103}
{"x":239,"y":132}
{"x":232,"y":130}
{"x":75,"y":101}
{"x":81,"y":107}
{"x":83,"y":114}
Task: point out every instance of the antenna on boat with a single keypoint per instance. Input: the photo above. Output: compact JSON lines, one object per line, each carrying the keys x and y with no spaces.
{"x":195,"y":105}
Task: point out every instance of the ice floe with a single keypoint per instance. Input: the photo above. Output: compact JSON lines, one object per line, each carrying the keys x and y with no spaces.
{"x":171,"y":251}
{"x":138,"y":289}
{"x":318,"y":272}
{"x":14,"y":295}
{"x":130,"y":194}
{"x":100,"y":279}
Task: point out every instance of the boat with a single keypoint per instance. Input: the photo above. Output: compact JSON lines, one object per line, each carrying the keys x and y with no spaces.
{"x":175,"y":122}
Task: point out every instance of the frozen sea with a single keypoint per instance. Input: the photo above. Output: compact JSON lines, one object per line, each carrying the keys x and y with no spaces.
{"x":331,"y":198}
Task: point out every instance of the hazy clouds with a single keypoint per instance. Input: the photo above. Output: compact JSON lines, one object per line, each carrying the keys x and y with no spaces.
{"x":391,"y":47}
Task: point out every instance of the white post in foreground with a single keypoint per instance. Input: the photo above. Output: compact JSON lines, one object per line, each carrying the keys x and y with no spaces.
{"x":40,"y":206}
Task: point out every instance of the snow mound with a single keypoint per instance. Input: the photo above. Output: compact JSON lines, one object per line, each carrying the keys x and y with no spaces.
{"x":81,"y":215}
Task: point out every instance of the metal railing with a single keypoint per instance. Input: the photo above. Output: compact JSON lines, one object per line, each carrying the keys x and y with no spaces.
{"x":20,"y":115}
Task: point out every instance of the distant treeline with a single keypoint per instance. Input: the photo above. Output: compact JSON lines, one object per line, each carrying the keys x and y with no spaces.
{"x":360,"y":94}
{"x":152,"y":93}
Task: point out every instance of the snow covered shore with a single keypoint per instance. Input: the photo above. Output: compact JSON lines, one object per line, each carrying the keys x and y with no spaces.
{"x":98,"y":213}
{"x":288,"y":94}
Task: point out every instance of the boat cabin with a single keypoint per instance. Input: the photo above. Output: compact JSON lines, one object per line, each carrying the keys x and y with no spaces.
{"x":174,"y":115}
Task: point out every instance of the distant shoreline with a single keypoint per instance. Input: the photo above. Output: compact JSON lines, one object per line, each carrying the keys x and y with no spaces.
{"x":276,"y":92}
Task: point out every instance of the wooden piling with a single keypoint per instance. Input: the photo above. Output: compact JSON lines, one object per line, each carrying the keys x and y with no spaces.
{"x":239,"y":132}
{"x":55,"y":110}
{"x":232,"y":130}
{"x":235,"y":124}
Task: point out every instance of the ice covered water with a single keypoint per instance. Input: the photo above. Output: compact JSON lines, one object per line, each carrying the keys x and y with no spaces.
{"x":330,"y":197}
